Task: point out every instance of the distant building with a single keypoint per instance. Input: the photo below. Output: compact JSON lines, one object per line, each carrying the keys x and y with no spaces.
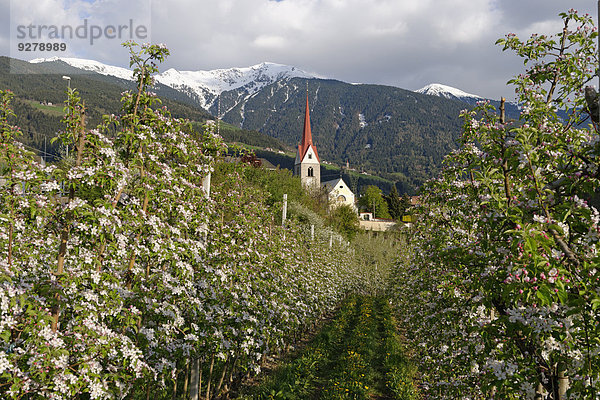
{"x":266,"y":164}
{"x":339,"y":193}
{"x":369,"y":223}
{"x":307,"y":165}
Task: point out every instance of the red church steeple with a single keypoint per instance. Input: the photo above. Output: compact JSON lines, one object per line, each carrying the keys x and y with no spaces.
{"x":307,"y":141}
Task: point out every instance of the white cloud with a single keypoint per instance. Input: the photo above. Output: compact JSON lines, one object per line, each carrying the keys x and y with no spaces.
{"x":407,"y":43}
{"x":270,"y":42}
{"x":81,"y":24}
{"x":549,"y":27}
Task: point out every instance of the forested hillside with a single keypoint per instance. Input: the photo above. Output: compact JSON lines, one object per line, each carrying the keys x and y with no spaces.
{"x":33,"y":84}
{"x":395,"y":133}
{"x":390,"y":132}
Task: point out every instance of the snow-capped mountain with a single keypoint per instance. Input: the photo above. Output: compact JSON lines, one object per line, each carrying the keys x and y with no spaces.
{"x":449,"y":92}
{"x":90,"y":65}
{"x":202,"y":86}
{"x":513,"y":110}
{"x":207,"y":85}
{"x":382,"y":126}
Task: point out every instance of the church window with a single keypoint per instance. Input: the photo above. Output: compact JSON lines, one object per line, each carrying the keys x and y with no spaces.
{"x":341,"y":198}
{"x":310,"y":156}
{"x":311,"y":171}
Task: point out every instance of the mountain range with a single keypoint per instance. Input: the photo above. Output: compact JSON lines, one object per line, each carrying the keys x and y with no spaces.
{"x":395,"y":133}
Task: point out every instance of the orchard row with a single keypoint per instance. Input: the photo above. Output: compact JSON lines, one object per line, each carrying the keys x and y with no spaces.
{"x":120,"y":277}
{"x":501,"y":290}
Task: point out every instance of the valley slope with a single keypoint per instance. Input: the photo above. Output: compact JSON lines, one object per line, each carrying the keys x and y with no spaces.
{"x":394,"y":133}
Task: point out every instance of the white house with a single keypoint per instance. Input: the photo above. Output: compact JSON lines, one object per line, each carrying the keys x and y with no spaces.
{"x":339,"y":193}
{"x":369,"y":223}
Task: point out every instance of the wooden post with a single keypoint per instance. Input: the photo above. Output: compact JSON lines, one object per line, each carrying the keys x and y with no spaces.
{"x":206,"y":185}
{"x":312,"y":232}
{"x":563,"y":383}
{"x":284,"y":212}
{"x":331,"y":240}
{"x":194,"y":379}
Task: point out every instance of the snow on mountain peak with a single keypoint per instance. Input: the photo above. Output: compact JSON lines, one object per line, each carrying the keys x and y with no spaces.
{"x":90,"y":65}
{"x":449,"y":92}
{"x":205,"y":85}
{"x":220,"y":80}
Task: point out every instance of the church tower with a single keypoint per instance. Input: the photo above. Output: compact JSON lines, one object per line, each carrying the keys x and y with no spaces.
{"x":307,"y":164}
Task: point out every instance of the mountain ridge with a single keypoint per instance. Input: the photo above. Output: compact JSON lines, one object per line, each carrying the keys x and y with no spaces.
{"x":217,"y":81}
{"x":398,"y":134}
{"x":203,"y":85}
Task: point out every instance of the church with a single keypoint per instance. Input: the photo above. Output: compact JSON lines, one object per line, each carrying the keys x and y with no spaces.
{"x":308,"y":167}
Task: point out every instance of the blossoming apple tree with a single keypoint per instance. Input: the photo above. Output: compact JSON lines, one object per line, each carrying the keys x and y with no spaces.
{"x":502,"y":290}
{"x":121,"y":278}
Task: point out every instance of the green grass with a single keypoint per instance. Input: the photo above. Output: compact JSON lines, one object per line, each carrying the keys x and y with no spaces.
{"x":53,"y":110}
{"x":356,"y":356}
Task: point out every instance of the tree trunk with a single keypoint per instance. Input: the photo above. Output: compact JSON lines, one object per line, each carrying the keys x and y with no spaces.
{"x":187,"y":375}
{"x":174,"y":397}
{"x":10,"y":243}
{"x":210,"y":372}
{"x":64,"y":234}
{"x":220,"y":385}
{"x":539,"y":392}
{"x":231,"y":372}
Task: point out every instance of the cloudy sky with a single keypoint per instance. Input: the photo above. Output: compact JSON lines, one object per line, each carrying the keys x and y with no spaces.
{"x":404,"y":43}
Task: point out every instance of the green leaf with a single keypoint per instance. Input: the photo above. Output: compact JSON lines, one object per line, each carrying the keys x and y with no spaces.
{"x":544,"y":295}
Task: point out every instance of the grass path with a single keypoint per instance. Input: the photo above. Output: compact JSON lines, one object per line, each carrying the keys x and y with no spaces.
{"x":356,"y":356}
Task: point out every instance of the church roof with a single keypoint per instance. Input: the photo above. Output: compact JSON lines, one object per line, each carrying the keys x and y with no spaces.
{"x":307,"y":141}
{"x":334,"y":183}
